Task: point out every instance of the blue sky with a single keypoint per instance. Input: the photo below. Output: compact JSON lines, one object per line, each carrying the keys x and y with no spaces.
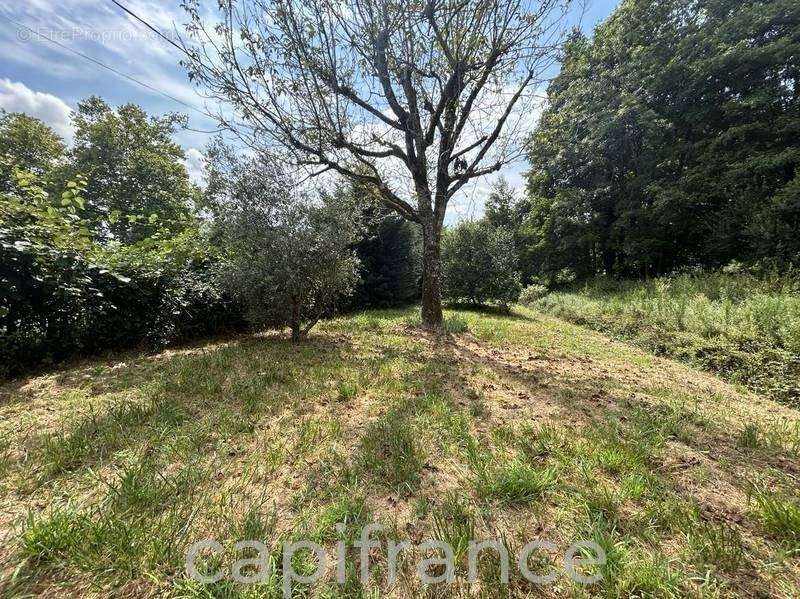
{"x":47,"y":81}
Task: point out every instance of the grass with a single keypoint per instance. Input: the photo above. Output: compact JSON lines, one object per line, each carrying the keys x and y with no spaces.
{"x":512,"y":482}
{"x":743,"y":327}
{"x":511,"y":428}
{"x":391,"y":454}
{"x":780,"y":517}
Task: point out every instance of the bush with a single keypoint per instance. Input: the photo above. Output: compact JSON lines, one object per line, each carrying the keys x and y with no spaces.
{"x":532,"y":293}
{"x":62,"y":294}
{"x":479,"y":265}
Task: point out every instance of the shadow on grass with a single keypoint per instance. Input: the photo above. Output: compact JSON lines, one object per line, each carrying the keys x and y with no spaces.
{"x":189,"y":398}
{"x":489,"y":310}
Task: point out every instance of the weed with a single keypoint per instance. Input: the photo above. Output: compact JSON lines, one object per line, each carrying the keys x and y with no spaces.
{"x":749,"y":436}
{"x":779,"y":516}
{"x":513,"y":482}
{"x":391,"y":454}
{"x":741,"y":327}
{"x":347,"y":390}
{"x":455,"y":325}
{"x":52,"y":538}
{"x":717,"y":544}
{"x":454,"y":524}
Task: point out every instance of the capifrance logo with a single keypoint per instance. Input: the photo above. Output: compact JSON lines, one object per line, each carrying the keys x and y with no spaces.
{"x":435,"y":563}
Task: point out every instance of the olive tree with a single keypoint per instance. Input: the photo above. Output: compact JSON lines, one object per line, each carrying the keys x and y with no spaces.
{"x":289,"y":255}
{"x":414,"y":97}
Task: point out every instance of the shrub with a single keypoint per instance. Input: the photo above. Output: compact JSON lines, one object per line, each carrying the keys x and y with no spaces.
{"x":532,"y":293}
{"x":289,"y":258}
{"x":479,"y":265}
{"x":63,"y":294}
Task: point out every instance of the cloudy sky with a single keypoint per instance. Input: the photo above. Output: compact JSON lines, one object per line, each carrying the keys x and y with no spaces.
{"x":47,"y":80}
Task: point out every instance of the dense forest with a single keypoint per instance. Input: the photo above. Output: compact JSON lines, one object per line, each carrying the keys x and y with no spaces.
{"x":670,"y":139}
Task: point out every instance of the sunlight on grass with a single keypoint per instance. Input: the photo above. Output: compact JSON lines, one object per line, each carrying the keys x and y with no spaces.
{"x":508,"y":424}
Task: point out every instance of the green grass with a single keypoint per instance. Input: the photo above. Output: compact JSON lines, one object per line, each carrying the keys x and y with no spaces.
{"x":513,"y":481}
{"x":454,"y":523}
{"x":526,"y":427}
{"x":390,"y":453}
{"x":780,"y":517}
{"x":737,"y":325}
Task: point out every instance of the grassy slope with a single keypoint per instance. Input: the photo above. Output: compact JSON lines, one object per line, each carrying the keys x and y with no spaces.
{"x":745,"y":328}
{"x":522,"y":426}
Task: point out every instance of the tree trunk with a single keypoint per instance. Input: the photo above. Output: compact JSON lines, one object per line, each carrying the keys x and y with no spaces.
{"x":295,"y":322}
{"x":608,"y":261}
{"x":431,"y":277}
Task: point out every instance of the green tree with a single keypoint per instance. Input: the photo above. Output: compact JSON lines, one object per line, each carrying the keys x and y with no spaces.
{"x":390,"y":257}
{"x":670,"y":139}
{"x":503,"y":207}
{"x":289,"y":256}
{"x":137,"y":180}
{"x":29,"y":145}
{"x":480,"y":264}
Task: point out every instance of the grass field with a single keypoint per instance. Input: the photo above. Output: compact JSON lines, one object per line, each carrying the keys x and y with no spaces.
{"x":743,"y":327}
{"x":513,"y":427}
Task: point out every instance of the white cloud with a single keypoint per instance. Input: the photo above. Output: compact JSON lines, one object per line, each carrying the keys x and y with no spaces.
{"x":108,"y":35}
{"x":18,"y":97}
{"x":195,"y":164}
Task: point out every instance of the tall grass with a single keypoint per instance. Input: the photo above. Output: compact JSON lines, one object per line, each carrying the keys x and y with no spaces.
{"x":742,"y":326}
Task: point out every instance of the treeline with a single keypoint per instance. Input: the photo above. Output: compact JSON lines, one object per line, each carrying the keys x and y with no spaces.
{"x":671,"y":138}
{"x":108,"y":244}
{"x":669,"y":142}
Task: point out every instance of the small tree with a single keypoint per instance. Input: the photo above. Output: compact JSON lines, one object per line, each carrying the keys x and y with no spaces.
{"x":289,"y":258}
{"x":480,"y":265}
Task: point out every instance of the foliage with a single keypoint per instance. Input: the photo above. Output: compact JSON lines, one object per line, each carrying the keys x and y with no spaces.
{"x":64,"y":291}
{"x":389,"y":253}
{"x":289,"y":258}
{"x":32,"y":144}
{"x":480,"y":265}
{"x":532,"y":293}
{"x":743,"y":325}
{"x":133,"y":167}
{"x":670,"y":139}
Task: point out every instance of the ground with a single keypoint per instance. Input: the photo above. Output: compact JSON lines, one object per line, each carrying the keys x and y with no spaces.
{"x":512,"y":427}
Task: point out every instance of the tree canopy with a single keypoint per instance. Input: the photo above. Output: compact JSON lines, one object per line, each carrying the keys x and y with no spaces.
{"x":288,"y":255}
{"x":670,"y":139}
{"x":133,"y":167}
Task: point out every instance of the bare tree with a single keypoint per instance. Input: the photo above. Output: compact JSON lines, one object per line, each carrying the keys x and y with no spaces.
{"x":413,"y":97}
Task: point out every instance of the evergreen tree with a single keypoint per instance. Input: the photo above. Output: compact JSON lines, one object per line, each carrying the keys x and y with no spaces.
{"x":390,"y":262}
